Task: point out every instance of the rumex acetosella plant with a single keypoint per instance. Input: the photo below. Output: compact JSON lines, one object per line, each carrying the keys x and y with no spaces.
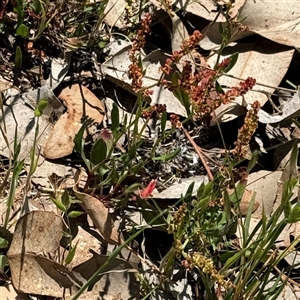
{"x":201,"y":225}
{"x":199,"y":86}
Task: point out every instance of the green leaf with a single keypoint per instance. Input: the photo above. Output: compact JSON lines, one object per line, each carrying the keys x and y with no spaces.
{"x":3,"y":262}
{"x":98,"y":152}
{"x":233,"y":59}
{"x":59,"y":205}
{"x":149,"y":213}
{"x":296,"y":123}
{"x":163,"y":121}
{"x":20,"y":11}
{"x":221,"y":29}
{"x":132,"y":152}
{"x":65,"y":199}
{"x":133,"y":187}
{"x":102,"y":44}
{"x":168,"y":156}
{"x":23,"y":31}
{"x":294,"y":215}
{"x":40,"y":107}
{"x":189,"y":191}
{"x":182,"y":96}
{"x":18,"y":57}
{"x":219,"y":88}
{"x":71,"y":254}
{"x":79,"y":142}
{"x":115,"y":118}
{"x":36,"y":6}
{"x":74,"y":214}
{"x":3,"y":243}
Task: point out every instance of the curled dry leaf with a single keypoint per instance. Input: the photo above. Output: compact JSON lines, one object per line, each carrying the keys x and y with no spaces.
{"x":80,"y":102}
{"x":100,"y":216}
{"x":36,"y":238}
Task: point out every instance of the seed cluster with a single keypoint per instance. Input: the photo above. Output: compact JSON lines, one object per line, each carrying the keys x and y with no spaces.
{"x":135,"y":72}
{"x":247,"y":131}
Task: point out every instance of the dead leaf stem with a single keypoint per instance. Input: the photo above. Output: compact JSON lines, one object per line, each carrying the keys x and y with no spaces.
{"x":199,"y":152}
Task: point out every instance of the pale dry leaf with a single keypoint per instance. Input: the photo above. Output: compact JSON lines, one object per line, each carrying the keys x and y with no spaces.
{"x":117,"y":278}
{"x":5,"y":84}
{"x":290,"y":109}
{"x":59,"y":69}
{"x":278,"y":21}
{"x":178,"y":189}
{"x":54,"y":108}
{"x":265,"y":61}
{"x":80,"y":102}
{"x":113,"y":12}
{"x":19,"y":114}
{"x":288,"y":234}
{"x":100,"y":216}
{"x":179,"y":33}
{"x":8,"y":292}
{"x":208,"y":9}
{"x":264,"y":183}
{"x":213,"y":39}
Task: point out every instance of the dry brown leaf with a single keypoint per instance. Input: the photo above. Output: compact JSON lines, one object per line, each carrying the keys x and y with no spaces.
{"x":100,"y":216}
{"x":36,"y":232}
{"x":38,"y":235}
{"x":36,"y":274}
{"x":264,"y":183}
{"x":245,"y":202}
{"x":61,"y":141}
{"x":86,"y":240}
{"x":5,"y":84}
{"x":113,"y":12}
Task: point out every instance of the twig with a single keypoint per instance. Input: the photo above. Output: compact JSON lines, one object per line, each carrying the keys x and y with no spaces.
{"x":289,"y":280}
{"x":199,"y":152}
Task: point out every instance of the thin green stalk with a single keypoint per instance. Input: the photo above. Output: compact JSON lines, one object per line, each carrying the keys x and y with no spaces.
{"x":32,"y":168}
{"x":17,"y":168}
{"x":4,"y":135}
